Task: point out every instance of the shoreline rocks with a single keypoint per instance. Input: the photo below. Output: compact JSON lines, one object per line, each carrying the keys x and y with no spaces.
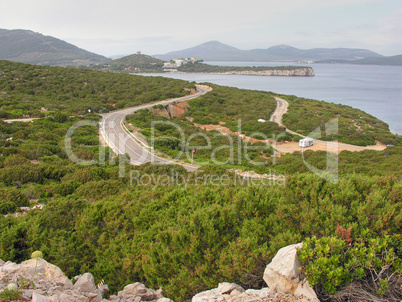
{"x":299,"y":72}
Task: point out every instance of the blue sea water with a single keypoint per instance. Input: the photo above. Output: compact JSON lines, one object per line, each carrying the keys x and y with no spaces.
{"x":376,"y":90}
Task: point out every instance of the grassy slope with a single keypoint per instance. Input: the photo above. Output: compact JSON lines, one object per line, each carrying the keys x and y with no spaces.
{"x":354,"y":126}
{"x":29,"y":47}
{"x":25,"y":89}
{"x":185,"y":239}
{"x":131,"y":64}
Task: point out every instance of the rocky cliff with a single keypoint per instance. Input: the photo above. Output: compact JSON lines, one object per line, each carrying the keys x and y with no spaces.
{"x":301,"y":72}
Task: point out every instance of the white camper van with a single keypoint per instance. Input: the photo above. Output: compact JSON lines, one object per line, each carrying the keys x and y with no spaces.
{"x":305,"y":142}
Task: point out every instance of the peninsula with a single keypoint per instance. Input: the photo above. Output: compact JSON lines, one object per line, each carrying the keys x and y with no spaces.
{"x":141,"y":63}
{"x":197,"y":67}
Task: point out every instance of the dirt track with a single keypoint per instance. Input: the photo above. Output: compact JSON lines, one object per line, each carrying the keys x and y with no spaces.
{"x":290,"y":147}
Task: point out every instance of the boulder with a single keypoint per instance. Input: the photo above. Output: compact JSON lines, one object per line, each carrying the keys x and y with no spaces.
{"x":282,"y":275}
{"x":38,"y":298}
{"x":228,"y":288}
{"x":223,"y":291}
{"x":68,"y":296}
{"x":138,"y":290}
{"x":9,"y":268}
{"x":85,"y":283}
{"x":44,"y":272}
{"x":164,"y":300}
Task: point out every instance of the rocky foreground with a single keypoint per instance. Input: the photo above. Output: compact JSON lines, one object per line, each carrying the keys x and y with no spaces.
{"x":37,"y":280}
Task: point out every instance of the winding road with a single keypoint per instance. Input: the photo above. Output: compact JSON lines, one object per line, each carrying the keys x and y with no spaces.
{"x":122,"y":141}
{"x":333,"y":146}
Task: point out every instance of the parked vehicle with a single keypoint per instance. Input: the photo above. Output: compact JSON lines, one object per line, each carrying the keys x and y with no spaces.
{"x":305,"y":142}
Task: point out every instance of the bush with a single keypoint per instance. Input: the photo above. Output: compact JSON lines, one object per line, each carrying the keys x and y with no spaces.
{"x":169,"y":142}
{"x":7,"y":207}
{"x":60,"y":117}
{"x":99,"y":189}
{"x":331,"y":263}
{"x":66,"y":188}
{"x":15,"y":160}
{"x":15,"y":196}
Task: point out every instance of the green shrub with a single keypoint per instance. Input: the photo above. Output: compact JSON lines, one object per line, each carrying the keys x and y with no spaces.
{"x":332,"y":262}
{"x":15,"y":196}
{"x":168,"y":142}
{"x":99,"y":189}
{"x":7,"y":207}
{"x":65,"y":188}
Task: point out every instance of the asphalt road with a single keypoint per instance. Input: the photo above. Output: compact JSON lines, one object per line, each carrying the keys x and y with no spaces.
{"x":121,"y":141}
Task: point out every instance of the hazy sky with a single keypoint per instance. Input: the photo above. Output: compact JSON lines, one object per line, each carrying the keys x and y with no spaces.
{"x":110,"y":27}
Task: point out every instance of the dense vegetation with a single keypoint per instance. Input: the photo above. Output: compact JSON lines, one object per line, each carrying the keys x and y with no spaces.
{"x":202,"y":67}
{"x":201,"y":231}
{"x":183,"y":231}
{"x":237,"y":108}
{"x":25,"y":89}
{"x":354,"y":126}
{"x":234,"y":108}
{"x":188,"y":240}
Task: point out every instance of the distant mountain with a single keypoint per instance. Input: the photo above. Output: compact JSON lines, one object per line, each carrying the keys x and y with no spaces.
{"x":216,"y":51}
{"x":210,"y":51}
{"x":392,"y":60}
{"x":26,"y":46}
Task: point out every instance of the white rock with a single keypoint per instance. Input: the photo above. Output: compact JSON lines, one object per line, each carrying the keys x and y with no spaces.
{"x":44,"y":271}
{"x":68,"y":296}
{"x":10,"y":268}
{"x":68,"y":284}
{"x":219,"y":294}
{"x":235,"y":292}
{"x":227,"y":288}
{"x":305,"y":289}
{"x":139,"y":290}
{"x":38,"y":298}
{"x":282,"y":275}
{"x":85,"y":283}
{"x":164,"y":300}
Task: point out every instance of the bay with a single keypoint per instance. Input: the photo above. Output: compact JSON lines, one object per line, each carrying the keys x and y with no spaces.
{"x":376,"y":90}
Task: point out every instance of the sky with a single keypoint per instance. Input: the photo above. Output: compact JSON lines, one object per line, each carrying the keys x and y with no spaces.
{"x":120,"y":27}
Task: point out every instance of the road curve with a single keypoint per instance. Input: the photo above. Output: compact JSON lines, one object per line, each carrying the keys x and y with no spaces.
{"x":280,"y":110}
{"x":122,"y":141}
{"x":334,"y":146}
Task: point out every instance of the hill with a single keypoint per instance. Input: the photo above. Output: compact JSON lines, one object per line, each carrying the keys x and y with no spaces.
{"x":184,"y":231}
{"x":211,"y":51}
{"x":216,"y":51}
{"x":26,"y":46}
{"x":26,"y":89}
{"x":390,"y":61}
{"x":133,"y":63}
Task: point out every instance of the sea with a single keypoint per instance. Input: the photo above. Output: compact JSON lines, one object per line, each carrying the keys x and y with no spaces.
{"x":376,"y":90}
